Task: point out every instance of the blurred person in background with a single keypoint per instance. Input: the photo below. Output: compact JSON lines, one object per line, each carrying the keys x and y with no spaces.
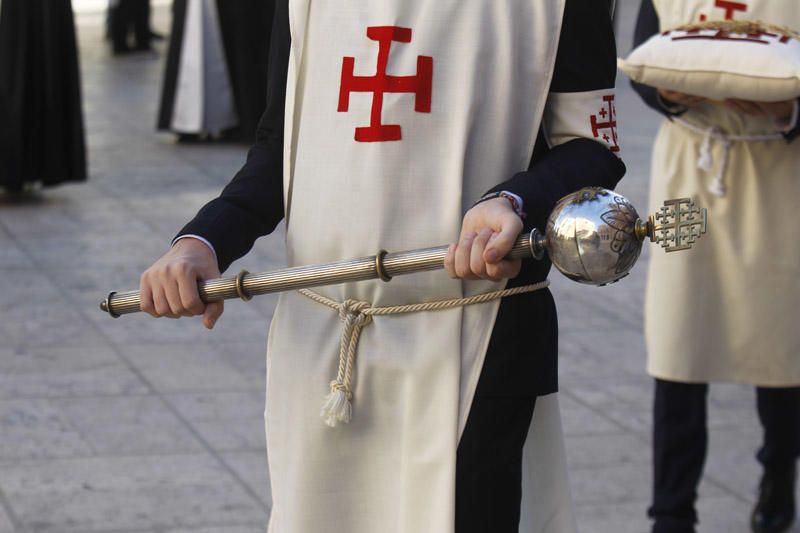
{"x":130,"y":18}
{"x":41,"y":122}
{"x":216,"y":73}
{"x":727,"y":313}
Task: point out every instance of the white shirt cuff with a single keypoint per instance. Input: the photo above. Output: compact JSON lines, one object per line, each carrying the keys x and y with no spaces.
{"x":199,"y":238}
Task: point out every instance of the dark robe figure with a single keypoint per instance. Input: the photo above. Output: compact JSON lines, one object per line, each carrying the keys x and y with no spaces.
{"x":41,"y":122}
{"x":126,"y":18}
{"x":223,"y":47}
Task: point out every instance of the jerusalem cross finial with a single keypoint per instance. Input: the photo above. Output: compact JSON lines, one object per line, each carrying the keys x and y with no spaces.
{"x":677,"y":225}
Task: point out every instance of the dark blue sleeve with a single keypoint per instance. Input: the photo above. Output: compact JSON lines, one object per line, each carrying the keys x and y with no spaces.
{"x":251,"y":205}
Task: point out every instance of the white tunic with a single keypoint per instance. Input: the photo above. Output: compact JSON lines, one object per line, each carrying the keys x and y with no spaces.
{"x":727,"y":310}
{"x":387,"y":151}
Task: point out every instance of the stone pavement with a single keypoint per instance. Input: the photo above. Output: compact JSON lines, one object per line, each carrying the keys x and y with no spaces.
{"x":155,"y":426}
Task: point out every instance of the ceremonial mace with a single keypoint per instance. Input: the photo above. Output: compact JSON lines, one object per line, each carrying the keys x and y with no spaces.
{"x":593,"y":236}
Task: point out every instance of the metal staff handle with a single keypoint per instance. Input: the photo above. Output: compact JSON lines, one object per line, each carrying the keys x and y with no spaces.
{"x":593,"y":236}
{"x":382,"y":266}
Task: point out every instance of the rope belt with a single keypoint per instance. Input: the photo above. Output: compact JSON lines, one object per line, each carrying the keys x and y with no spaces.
{"x":356,"y":315}
{"x":713,"y":134}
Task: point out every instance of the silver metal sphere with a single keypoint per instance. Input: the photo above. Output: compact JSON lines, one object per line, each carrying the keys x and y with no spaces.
{"x":591,"y":236}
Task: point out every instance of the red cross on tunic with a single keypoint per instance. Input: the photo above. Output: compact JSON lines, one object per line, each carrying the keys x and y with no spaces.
{"x":729,"y":7}
{"x":382,"y":83}
{"x":606,"y":126}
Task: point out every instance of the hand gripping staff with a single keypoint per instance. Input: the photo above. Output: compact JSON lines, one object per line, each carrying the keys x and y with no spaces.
{"x":593,"y":236}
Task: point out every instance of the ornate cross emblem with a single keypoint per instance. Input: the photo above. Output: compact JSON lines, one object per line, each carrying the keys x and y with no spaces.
{"x":678,"y":224}
{"x":729,"y":6}
{"x":381,"y":83}
{"x":606,"y":126}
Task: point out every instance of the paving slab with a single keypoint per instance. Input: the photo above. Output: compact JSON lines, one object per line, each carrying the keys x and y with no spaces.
{"x":129,"y":425}
{"x":618,"y":483}
{"x":228,"y":421}
{"x":127,"y":493}
{"x":63,"y":371}
{"x":628,"y":517}
{"x":248,"y":357}
{"x":36,"y":429}
{"x":252,"y":467}
{"x":5,"y":522}
{"x":609,"y":485}
{"x":187,"y":367}
{"x":592,"y":451}
{"x":580,"y":420}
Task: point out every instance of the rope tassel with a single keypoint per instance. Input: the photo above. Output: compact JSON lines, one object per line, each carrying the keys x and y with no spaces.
{"x":705,"y":160}
{"x":338,"y":407}
{"x":356,"y":315}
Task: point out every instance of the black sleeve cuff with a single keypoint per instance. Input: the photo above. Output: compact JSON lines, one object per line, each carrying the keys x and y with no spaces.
{"x":250,"y":206}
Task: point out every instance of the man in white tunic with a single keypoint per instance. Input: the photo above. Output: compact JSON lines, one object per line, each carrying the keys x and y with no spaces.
{"x":727,"y":314}
{"x":386,"y":122}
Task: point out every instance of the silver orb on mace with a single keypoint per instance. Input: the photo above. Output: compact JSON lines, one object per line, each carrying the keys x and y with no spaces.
{"x":595,"y":236}
{"x":592,"y":236}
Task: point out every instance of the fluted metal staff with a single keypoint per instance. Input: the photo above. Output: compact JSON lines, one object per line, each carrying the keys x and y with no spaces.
{"x":245,"y":285}
{"x":592,"y":236}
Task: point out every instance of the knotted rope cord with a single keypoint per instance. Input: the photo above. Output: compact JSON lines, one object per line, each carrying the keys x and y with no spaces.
{"x":356,"y":315}
{"x":705,"y":160}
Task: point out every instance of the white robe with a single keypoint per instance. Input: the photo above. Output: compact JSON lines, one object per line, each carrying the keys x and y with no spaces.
{"x":727,"y":310}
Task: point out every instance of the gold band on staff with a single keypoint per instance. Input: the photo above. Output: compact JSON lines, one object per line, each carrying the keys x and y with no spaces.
{"x":379,"y":268}
{"x":240,"y":290}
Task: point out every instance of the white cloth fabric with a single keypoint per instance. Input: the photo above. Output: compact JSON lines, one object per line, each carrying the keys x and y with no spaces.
{"x":726,"y":311}
{"x":589,"y":115}
{"x":204,"y":95}
{"x":392,"y":468}
{"x":719,"y":64}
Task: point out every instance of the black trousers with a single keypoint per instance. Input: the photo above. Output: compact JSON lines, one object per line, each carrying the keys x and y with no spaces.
{"x":680,"y":441}
{"x":489,"y":464}
{"x":130,"y":16}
